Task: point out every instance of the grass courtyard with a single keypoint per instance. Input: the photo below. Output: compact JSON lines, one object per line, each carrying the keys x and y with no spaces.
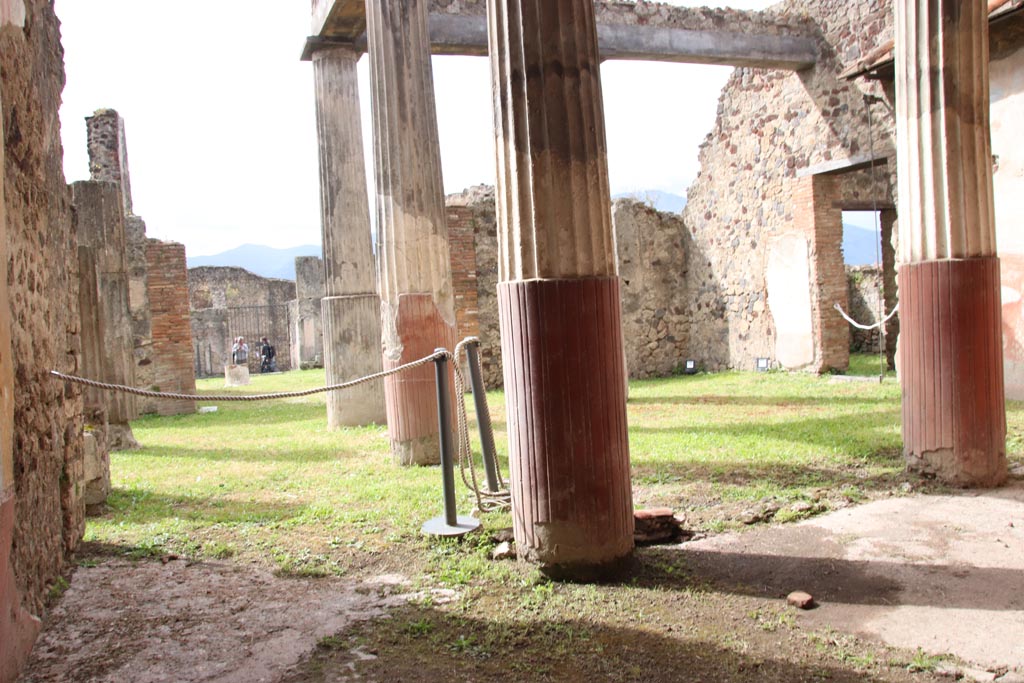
{"x":266,"y":484}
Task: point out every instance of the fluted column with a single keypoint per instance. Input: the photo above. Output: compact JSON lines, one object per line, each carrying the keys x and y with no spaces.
{"x":417,"y":303}
{"x":351,"y":305}
{"x":559,"y":289}
{"x":954,"y":420}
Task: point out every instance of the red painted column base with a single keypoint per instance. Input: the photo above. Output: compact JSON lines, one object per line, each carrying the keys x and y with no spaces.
{"x":18,"y":628}
{"x":566,"y":400}
{"x":951,"y":365}
{"x":411,"y":397}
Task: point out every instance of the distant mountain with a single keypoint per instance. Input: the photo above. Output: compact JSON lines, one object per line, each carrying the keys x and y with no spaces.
{"x":256,"y":258}
{"x":662,"y":201}
{"x":860,"y":245}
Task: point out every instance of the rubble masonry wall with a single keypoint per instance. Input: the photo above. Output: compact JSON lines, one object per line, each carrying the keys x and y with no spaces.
{"x":41,"y":510}
{"x":771,"y":125}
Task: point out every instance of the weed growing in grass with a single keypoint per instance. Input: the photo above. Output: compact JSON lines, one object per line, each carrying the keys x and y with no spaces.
{"x":922,"y":662}
{"x":331,"y":643}
{"x":419,"y":628}
{"x":57,"y":588}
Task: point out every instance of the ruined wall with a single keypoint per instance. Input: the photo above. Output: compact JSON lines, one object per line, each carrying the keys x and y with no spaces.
{"x":167,"y":288}
{"x":652,"y":265}
{"x":742,"y":207}
{"x":652,"y":268}
{"x":99,"y":226}
{"x":255,"y":307}
{"x":473,"y":240}
{"x":864,"y":294}
{"x":138,"y":303}
{"x":157,"y":358}
{"x":41,"y":511}
{"x":305,"y":315}
{"x":1007,"y":93}
{"x":211,"y":341}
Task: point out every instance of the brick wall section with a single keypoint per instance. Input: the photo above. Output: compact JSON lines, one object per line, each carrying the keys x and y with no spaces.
{"x":462,"y":242}
{"x":815,"y":215}
{"x":474,"y":255}
{"x":172,"y":332}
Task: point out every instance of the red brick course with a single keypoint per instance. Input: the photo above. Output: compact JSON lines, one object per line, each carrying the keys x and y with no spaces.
{"x":172,"y":331}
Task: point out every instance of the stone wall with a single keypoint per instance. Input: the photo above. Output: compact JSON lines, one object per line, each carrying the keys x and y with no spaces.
{"x":773,"y":129}
{"x":652,"y":268}
{"x":99,"y":226}
{"x":652,"y":263}
{"x":41,"y":511}
{"x":305,"y":315}
{"x":473,"y":240}
{"x":211,"y":341}
{"x":864,"y":296}
{"x":138,"y":302}
{"x":167,"y":288}
{"x":254,"y":307}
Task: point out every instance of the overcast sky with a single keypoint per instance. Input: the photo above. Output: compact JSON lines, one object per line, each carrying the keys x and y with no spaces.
{"x":220,"y":120}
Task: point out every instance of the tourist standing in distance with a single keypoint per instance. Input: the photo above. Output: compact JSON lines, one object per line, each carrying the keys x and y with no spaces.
{"x":267,"y":355}
{"x":240,"y":352}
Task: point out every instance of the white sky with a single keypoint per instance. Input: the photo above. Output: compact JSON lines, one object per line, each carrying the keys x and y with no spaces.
{"x":220,"y":121}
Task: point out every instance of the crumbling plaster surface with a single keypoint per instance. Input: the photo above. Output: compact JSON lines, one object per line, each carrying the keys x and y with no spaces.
{"x":1007,"y":93}
{"x":45,"y":515}
{"x":771,"y":124}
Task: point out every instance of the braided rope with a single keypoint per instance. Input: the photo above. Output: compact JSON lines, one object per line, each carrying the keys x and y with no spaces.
{"x":486,"y":500}
{"x":252,"y":397}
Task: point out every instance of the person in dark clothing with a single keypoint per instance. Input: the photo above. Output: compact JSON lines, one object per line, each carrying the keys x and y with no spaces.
{"x":267,"y":355}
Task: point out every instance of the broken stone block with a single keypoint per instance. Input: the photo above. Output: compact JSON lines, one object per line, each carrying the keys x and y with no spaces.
{"x":236,"y":375}
{"x":97,"y":467}
{"x":800,"y":600}
{"x":657,"y":525}
{"x":503,"y":551}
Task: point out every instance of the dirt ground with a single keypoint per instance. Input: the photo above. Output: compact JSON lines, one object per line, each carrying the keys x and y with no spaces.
{"x":898,"y":582}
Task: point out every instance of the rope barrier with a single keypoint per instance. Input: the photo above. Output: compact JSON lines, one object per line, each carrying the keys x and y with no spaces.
{"x":253,"y":397}
{"x":858,"y":325}
{"x":487,"y":501}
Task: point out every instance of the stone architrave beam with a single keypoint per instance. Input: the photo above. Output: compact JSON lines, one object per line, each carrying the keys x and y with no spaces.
{"x":558,"y":290}
{"x":453,"y":34}
{"x":951,"y":360}
{"x":417,"y":298}
{"x":350,"y":306}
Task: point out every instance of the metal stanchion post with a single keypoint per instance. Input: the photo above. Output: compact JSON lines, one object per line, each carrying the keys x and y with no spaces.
{"x":483,"y":416}
{"x":448,"y":524}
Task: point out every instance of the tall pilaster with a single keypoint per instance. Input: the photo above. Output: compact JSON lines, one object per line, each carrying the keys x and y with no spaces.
{"x":954,"y":420}
{"x":99,"y":225}
{"x":559,"y":289}
{"x":351,"y":305}
{"x":417,"y":302}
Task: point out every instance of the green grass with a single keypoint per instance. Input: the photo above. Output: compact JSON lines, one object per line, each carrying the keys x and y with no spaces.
{"x":266,"y":481}
{"x":867,"y":365}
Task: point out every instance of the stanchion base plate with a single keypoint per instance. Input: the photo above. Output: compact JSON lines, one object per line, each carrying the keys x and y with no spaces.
{"x":438,"y":526}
